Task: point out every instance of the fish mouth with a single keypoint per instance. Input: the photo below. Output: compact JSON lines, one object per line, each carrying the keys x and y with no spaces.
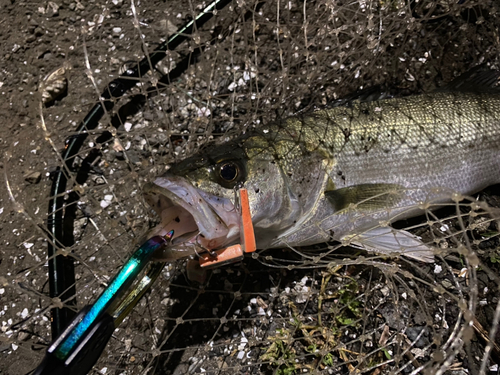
{"x":200,"y":221}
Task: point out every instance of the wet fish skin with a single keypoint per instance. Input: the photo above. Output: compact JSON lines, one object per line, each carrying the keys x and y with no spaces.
{"x":346,"y":173}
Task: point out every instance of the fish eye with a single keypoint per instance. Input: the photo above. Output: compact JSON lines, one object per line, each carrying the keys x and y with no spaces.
{"x":229,"y":171}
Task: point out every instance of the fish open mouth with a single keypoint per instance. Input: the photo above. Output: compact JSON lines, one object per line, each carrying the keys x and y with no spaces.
{"x":200,"y":221}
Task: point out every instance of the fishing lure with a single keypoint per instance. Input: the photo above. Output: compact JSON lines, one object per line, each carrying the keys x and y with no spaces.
{"x":80,"y":345}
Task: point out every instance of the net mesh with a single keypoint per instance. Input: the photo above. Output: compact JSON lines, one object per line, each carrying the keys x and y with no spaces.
{"x":320,"y":309}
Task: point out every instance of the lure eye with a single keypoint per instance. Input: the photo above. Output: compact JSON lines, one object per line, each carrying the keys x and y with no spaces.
{"x":229,"y":172}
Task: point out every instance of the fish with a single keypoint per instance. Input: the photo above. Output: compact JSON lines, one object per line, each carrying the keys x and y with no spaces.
{"x":343,"y":173}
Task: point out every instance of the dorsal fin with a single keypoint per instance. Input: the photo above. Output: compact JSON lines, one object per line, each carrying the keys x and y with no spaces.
{"x":369,"y":94}
{"x":480,"y":79}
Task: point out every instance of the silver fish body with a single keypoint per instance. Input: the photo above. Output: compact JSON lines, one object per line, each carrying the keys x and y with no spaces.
{"x":343,"y":174}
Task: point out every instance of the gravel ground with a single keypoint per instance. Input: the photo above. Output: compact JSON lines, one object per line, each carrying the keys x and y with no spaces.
{"x":366,"y":315}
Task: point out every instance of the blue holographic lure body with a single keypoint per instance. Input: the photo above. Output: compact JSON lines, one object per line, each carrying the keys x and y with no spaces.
{"x":111,"y":296}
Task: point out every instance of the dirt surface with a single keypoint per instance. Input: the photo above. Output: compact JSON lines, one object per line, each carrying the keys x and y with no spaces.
{"x":244,"y":318}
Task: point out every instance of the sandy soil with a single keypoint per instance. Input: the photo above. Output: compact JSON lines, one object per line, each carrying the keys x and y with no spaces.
{"x":40,"y":37}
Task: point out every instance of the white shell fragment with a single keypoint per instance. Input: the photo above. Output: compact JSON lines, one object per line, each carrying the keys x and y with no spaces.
{"x":54,"y":85}
{"x":106,"y":201}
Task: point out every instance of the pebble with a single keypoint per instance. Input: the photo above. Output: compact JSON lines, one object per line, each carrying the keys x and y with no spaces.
{"x":127,"y":125}
{"x":52,"y":9}
{"x":33,"y":177}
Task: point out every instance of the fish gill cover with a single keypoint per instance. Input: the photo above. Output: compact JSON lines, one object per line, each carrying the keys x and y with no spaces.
{"x":324,"y":308}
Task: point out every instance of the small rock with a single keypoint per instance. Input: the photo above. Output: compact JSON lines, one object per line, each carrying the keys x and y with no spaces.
{"x":39,"y":31}
{"x":148,"y":115}
{"x":52,"y":9}
{"x":98,"y":180}
{"x":23,"y":336}
{"x":170,"y":27}
{"x":134,"y":157}
{"x":79,"y":226}
{"x":107,"y":200}
{"x":127,"y":125}
{"x":415,"y":332}
{"x":33,"y":177}
{"x":119,"y":155}
{"x":447,"y":284}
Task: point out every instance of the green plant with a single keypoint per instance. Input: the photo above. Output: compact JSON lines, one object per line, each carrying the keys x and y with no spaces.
{"x":281,"y":354}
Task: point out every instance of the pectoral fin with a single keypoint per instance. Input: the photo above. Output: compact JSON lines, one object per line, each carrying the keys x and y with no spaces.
{"x":390,"y":241}
{"x":365,"y":196}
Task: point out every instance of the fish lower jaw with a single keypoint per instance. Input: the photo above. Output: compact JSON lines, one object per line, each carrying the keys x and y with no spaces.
{"x":198,"y":219}
{"x":215,"y":243}
{"x":189,"y":238}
